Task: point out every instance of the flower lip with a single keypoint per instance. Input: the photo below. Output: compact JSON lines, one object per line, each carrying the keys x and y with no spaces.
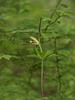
{"x":31,"y":41}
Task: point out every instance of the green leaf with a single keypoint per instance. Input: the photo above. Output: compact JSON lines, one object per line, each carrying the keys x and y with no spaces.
{"x":46,"y":54}
{"x":71,"y":13}
{"x":33,"y":56}
{"x":64,"y":52}
{"x":52,"y":55}
{"x":66,"y":40}
{"x":7,"y":57}
{"x":64,"y":5}
{"x":37,"y":52}
{"x":43,"y":55}
{"x":66,"y":16}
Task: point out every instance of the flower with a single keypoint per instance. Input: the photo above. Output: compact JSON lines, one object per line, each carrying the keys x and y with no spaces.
{"x":34,"y":40}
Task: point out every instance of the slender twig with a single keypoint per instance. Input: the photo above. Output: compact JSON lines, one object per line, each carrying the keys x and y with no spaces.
{"x":55,"y":9}
{"x":57,"y":63}
{"x":40,"y":28}
{"x":52,"y":15}
{"x":55,"y":20}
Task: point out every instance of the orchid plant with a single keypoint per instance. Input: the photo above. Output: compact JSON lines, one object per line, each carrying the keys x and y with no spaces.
{"x":40,"y":55}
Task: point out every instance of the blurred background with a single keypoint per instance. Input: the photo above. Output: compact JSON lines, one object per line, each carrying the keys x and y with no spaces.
{"x":20,"y":75}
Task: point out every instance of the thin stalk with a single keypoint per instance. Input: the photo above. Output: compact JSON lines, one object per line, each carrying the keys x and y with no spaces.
{"x":40,"y":29}
{"x":42,"y":91}
{"x":42,"y":74}
{"x":40,"y":48}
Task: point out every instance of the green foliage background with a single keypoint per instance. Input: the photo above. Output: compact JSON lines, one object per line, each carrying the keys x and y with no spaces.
{"x":20,"y":74}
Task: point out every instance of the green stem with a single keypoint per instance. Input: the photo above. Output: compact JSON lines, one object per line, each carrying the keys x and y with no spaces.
{"x":42,"y":93}
{"x":40,"y":48}
{"x":42,"y":72}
